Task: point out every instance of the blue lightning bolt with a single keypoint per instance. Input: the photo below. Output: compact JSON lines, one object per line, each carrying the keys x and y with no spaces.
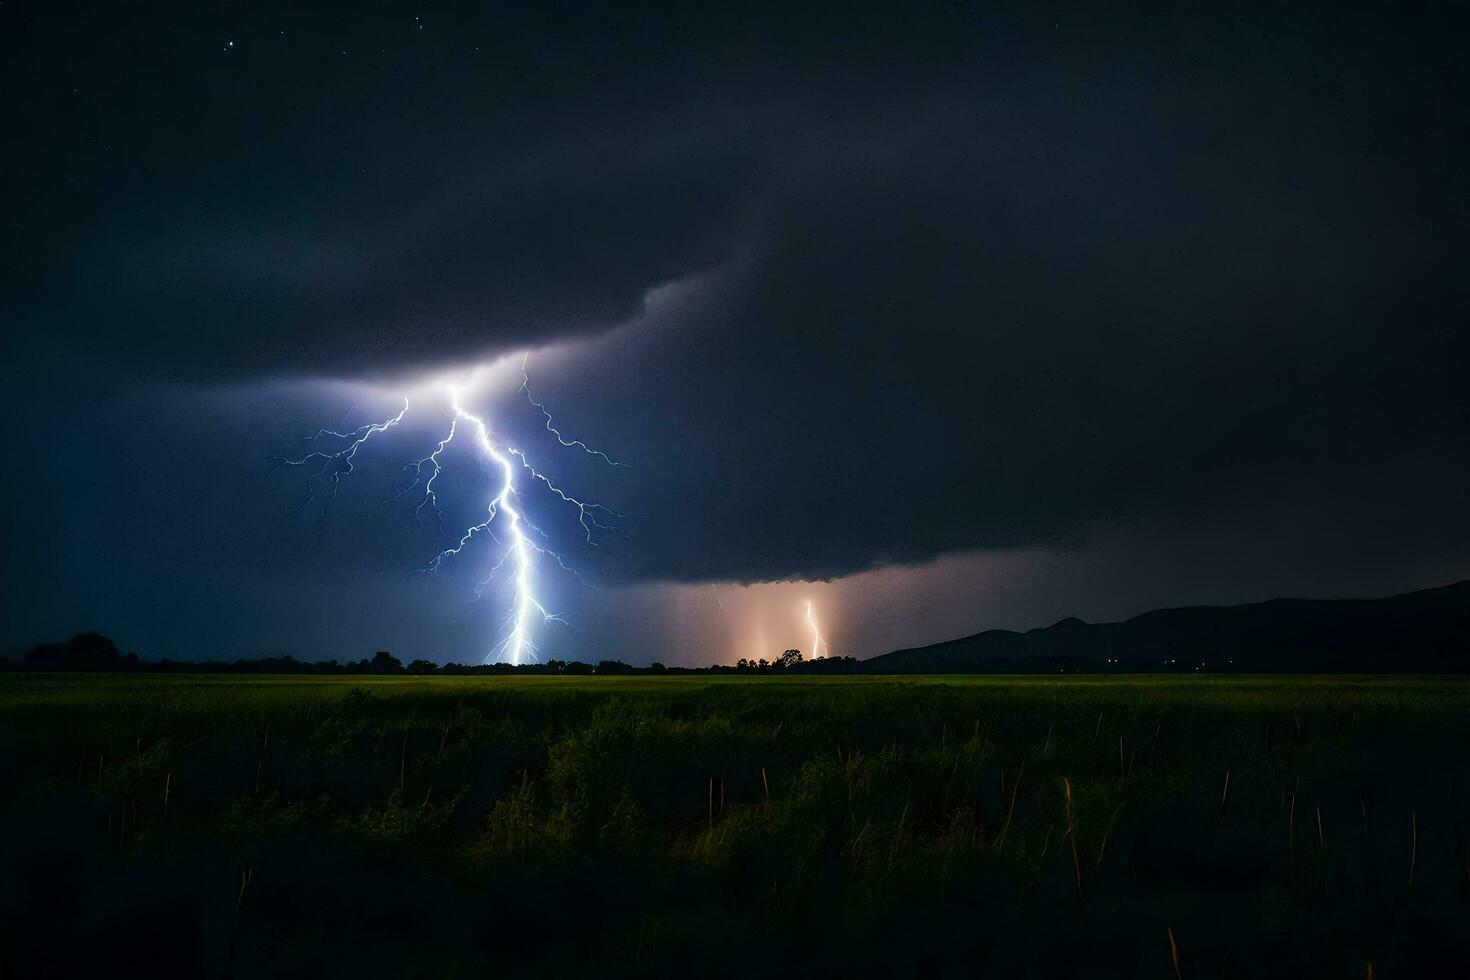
{"x":505,"y":520}
{"x":517,"y":644}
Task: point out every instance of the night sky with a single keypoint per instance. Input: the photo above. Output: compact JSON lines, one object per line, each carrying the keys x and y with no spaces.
{"x":942,"y":322}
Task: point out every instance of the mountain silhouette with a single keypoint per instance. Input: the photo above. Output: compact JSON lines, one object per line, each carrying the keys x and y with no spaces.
{"x":1417,"y":632}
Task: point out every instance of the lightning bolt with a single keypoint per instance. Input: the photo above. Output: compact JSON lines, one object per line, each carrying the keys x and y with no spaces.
{"x":336,"y":465}
{"x":551,"y":427}
{"x":505,"y":522}
{"x":819,"y":645}
{"x":417,"y":469}
{"x":587,"y":511}
{"x":517,"y":644}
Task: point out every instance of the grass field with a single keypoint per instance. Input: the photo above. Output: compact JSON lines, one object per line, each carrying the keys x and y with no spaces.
{"x":366,"y":826}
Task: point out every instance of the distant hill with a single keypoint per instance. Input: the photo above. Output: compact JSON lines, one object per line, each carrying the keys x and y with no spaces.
{"x":1418,"y":632}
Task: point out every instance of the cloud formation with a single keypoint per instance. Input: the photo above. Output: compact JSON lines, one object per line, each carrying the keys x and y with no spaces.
{"x":850,"y":294}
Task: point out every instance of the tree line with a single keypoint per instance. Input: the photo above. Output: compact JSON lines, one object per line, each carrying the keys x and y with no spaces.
{"x":95,"y":653}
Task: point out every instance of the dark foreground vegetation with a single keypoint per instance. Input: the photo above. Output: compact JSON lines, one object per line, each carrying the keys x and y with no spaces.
{"x":696,"y":826}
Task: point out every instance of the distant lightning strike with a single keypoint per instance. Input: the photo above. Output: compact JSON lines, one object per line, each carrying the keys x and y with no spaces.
{"x":503,"y":513}
{"x":819,"y":645}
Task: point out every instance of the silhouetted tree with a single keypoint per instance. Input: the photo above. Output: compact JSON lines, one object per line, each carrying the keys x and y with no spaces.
{"x":85,"y":651}
{"x":613,"y":667}
{"x":788,"y":658}
{"x":385,"y":663}
{"x":422,"y":667}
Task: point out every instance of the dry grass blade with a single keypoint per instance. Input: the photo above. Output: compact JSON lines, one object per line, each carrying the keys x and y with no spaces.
{"x":246,"y":877}
{"x":1291,"y":837}
{"x":898,"y":835}
{"x":1076,"y":860}
{"x":1174,"y":952}
{"x":1153,"y":741}
{"x":264,"y":748}
{"x":1107,"y":831}
{"x":1224,"y":795}
{"x":1011,"y":809}
{"x":1413,"y":844}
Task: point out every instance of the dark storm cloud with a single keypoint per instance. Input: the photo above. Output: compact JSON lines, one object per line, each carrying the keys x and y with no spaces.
{"x":919,"y":284}
{"x":1004,"y":319}
{"x":344,"y":280}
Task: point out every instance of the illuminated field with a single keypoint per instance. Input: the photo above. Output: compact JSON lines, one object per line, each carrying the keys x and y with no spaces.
{"x":679,"y":823}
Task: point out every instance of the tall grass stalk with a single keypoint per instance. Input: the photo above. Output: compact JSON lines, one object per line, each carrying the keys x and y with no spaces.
{"x":1011,"y":808}
{"x":1071,"y":833}
{"x":1291,"y":839}
{"x":1413,"y":844}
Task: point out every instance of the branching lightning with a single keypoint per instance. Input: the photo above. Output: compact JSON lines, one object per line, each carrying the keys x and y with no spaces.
{"x":505,"y":520}
{"x":819,"y":645}
{"x":336,"y":465}
{"x":417,"y":469}
{"x":587,"y":511}
{"x":551,"y":427}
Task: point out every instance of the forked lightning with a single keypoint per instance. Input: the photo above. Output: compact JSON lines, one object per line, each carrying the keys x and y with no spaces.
{"x":505,"y":520}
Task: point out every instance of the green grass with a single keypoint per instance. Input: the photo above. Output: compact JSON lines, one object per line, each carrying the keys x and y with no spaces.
{"x":866,"y":797}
